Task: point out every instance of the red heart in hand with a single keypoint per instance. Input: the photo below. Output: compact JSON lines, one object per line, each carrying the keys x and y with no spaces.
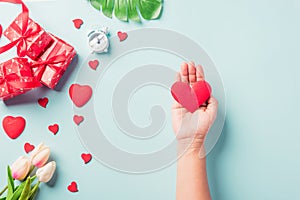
{"x":28,"y":147}
{"x":80,"y":94}
{"x":86,"y":157}
{"x":122,"y":36}
{"x":43,"y":102}
{"x":77,"y":23}
{"x":191,"y":97}
{"x":93,"y":64}
{"x":53,"y":128}
{"x":0,"y":31}
{"x":78,"y":119}
{"x":13,"y":126}
{"x":73,"y":187}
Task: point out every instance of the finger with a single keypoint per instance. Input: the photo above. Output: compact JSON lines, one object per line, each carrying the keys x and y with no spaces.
{"x":212,"y":108}
{"x":184,"y":72}
{"x":200,"y":73}
{"x":192,"y":73}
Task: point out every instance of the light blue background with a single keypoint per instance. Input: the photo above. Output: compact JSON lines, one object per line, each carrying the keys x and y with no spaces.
{"x":255,"y":46}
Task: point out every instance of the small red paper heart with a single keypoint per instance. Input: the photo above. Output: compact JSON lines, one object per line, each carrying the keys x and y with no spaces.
{"x":28,"y":147}
{"x":77,"y":23}
{"x":80,"y":94}
{"x":93,"y":64}
{"x":0,"y":31}
{"x":13,"y":126}
{"x":122,"y":36}
{"x":73,"y":187}
{"x":53,"y":128}
{"x":191,"y":97}
{"x":86,"y":157}
{"x":78,"y":119}
{"x":43,"y":102}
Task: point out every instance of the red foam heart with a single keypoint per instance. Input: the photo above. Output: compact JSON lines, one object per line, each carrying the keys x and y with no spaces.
{"x":191,"y":97}
{"x":43,"y":102}
{"x":86,"y":157}
{"x":77,"y":23}
{"x":0,"y":31}
{"x":54,"y":128}
{"x":78,"y":119}
{"x":93,"y":64}
{"x":80,"y":94}
{"x":13,"y":126}
{"x":122,"y":36}
{"x":73,"y":187}
{"x":28,"y":147}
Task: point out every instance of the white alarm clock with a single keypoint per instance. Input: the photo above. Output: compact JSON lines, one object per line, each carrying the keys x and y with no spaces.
{"x":98,"y":40}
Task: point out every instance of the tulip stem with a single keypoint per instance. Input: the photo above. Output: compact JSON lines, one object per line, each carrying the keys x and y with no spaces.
{"x":3,"y":190}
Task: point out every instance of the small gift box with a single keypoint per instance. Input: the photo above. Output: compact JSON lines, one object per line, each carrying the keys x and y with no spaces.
{"x":31,"y":39}
{"x":53,"y":62}
{"x":16,"y":78}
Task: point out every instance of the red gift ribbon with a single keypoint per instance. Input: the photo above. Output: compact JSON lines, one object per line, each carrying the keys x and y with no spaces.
{"x":21,"y":41}
{"x":49,"y":62}
{"x":14,"y":81}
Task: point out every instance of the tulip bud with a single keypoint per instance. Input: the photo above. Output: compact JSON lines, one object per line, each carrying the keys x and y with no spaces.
{"x":40,"y":155}
{"x":20,"y":168}
{"x":45,"y":173}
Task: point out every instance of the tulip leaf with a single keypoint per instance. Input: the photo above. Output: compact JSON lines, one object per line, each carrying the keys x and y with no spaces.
{"x":34,"y":190}
{"x":11,"y":184}
{"x":130,"y":9}
{"x":26,"y":190}
{"x":3,"y":198}
{"x":18,"y":192}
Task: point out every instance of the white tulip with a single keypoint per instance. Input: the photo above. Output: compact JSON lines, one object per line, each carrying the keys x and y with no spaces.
{"x":20,"y":168}
{"x":40,"y":155}
{"x":45,"y":173}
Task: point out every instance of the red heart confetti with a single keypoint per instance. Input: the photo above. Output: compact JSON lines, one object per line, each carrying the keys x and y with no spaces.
{"x":93,"y":64}
{"x":78,"y":119}
{"x":54,"y":128}
{"x":77,"y":23}
{"x":191,"y":97}
{"x":0,"y":31}
{"x":43,"y":102}
{"x":86,"y":157}
{"x":73,"y":187}
{"x":122,"y":36}
{"x":28,"y":147}
{"x":13,"y":126}
{"x":80,"y":94}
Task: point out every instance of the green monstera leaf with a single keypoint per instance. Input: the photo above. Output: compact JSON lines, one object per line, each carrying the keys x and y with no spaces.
{"x":129,"y":9}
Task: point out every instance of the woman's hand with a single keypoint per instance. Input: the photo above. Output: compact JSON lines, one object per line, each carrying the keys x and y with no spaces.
{"x":191,"y":128}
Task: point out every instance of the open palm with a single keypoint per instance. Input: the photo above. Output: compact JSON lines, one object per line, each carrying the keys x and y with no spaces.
{"x":194,"y":126}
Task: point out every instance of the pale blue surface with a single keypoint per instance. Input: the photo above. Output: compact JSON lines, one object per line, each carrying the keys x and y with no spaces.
{"x":255,"y":46}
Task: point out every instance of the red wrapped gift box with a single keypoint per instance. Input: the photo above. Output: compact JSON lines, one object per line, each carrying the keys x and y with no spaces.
{"x":16,"y":78}
{"x":32,"y":41}
{"x":54,"y":62}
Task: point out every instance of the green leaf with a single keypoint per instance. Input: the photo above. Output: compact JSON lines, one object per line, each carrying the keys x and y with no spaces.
{"x":128,"y":9}
{"x":150,"y":9}
{"x":121,"y":10}
{"x":3,"y":198}
{"x":132,"y":11}
{"x":97,"y":4}
{"x":108,"y":7}
{"x":26,"y":190}
{"x":34,"y":191}
{"x":11,"y":184}
{"x":18,"y":192}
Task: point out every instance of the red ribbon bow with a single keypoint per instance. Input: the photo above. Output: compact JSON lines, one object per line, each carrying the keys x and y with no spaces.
{"x":21,"y":41}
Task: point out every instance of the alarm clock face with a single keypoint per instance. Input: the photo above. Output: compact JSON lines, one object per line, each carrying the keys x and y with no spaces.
{"x":98,"y":42}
